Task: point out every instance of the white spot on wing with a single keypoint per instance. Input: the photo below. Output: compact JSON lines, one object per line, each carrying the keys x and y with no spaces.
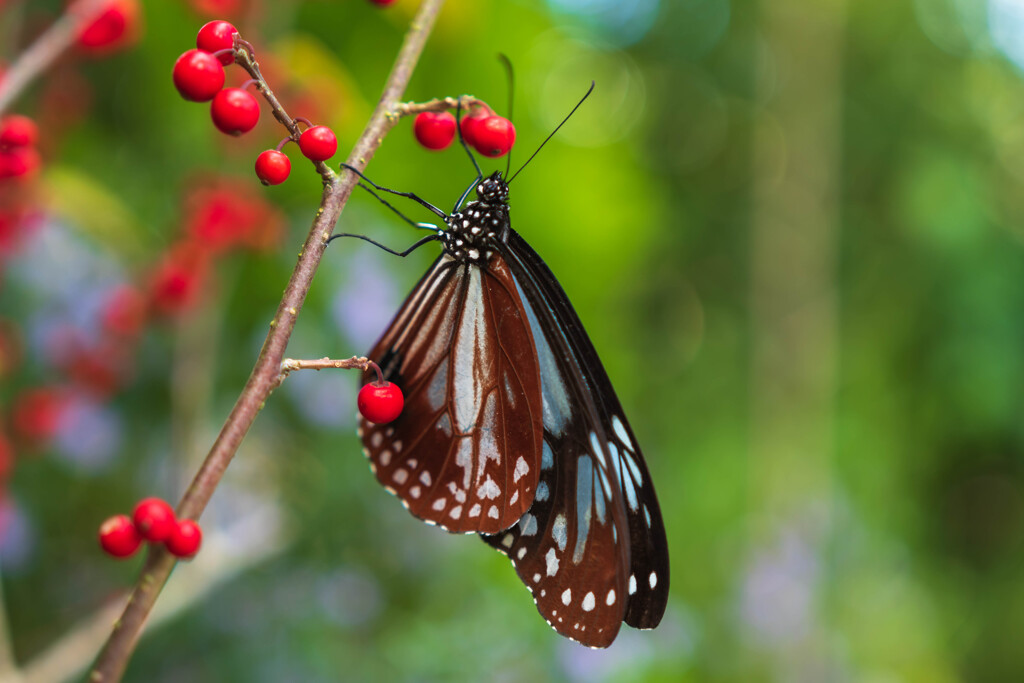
{"x":620,"y":432}
{"x":558,"y":532}
{"x":377,"y":439}
{"x":475,"y":510}
{"x":456,"y":512}
{"x":632,"y":584}
{"x":400,"y":476}
{"x":589,"y":602}
{"x":542,"y":492}
{"x":527,"y":525}
{"x":610,"y":600}
{"x":414,"y":492}
{"x":439,"y":504}
{"x":488,"y":489}
{"x":522,"y":553}
{"x":425,"y":478}
{"x":654,"y":579}
{"x":507,"y":540}
{"x":521,"y":469}
{"x":566,"y":596}
{"x":552,"y":559}
{"x":493,"y":512}
{"x":385,"y":458}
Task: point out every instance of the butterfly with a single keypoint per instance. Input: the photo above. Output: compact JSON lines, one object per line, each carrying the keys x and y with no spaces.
{"x":512,"y":430}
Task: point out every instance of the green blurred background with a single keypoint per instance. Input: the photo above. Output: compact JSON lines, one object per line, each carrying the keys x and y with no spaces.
{"x":792,"y":229}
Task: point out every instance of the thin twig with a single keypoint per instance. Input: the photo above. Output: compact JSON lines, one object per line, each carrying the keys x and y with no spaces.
{"x":113,"y":658}
{"x":46,"y":49}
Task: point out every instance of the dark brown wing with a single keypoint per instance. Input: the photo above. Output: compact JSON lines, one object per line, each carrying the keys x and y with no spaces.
{"x":465,"y":453}
{"x":592,"y":549}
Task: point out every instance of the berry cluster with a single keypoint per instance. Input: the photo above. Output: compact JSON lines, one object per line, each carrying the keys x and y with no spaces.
{"x":483,"y":130}
{"x":152,"y":520}
{"x":18,"y":155}
{"x":199,"y":77}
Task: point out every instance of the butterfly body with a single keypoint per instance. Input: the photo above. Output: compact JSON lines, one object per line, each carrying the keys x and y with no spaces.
{"x":512,"y":429}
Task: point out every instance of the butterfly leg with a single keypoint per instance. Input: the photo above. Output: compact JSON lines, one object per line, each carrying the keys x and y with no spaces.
{"x":403,"y":254}
{"x":422,"y":202}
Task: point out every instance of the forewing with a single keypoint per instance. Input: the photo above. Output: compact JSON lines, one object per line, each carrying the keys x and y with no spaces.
{"x":465,"y":452}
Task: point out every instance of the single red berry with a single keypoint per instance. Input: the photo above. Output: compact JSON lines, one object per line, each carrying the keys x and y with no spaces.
{"x":19,"y":162}
{"x":234,"y":111}
{"x":112,"y":28}
{"x":18,"y":131}
{"x":185,"y":539}
{"x":494,"y":136}
{"x":215,"y":36}
{"x":198,"y":76}
{"x":273,"y":167}
{"x":467,"y":124}
{"x":124,"y":311}
{"x":154,"y":519}
{"x":118,"y":537}
{"x":434,"y":129}
{"x":38,"y":413}
{"x":318,"y":143}
{"x":382,"y":3}
{"x":380,"y":403}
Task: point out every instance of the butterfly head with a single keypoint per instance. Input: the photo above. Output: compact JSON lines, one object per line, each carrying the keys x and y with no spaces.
{"x":492,"y":190}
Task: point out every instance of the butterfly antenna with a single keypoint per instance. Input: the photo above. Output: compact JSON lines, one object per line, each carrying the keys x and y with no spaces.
{"x":503,"y":58}
{"x":553,"y":132}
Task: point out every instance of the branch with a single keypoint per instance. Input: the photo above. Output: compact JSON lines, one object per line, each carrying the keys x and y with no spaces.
{"x":46,"y":49}
{"x":113,"y":658}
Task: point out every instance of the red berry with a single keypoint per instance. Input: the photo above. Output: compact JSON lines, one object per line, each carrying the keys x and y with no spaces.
{"x":434,"y":129}
{"x":234,"y":111}
{"x":382,"y":3}
{"x":118,"y":537}
{"x":18,"y":131}
{"x":19,"y":162}
{"x":185,"y":539}
{"x":273,"y":167}
{"x":318,"y":143}
{"x":124,"y":311}
{"x":154,"y":519}
{"x":493,"y":136}
{"x":467,"y":124}
{"x":198,"y":76}
{"x":112,"y":28}
{"x":380,"y":403}
{"x":39,"y":413}
{"x":215,"y":36}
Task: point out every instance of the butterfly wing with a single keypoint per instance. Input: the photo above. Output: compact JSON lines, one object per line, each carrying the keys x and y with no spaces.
{"x":465,"y":453}
{"x":592,"y":549}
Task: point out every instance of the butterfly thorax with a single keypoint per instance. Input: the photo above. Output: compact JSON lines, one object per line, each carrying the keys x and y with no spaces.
{"x":473,"y":231}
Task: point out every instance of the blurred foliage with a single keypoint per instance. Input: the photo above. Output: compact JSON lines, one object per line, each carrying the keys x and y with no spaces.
{"x":902,"y":564}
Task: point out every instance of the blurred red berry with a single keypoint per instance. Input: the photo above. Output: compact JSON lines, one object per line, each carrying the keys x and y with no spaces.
{"x":218,"y":8}
{"x":215,"y":36}
{"x":185,"y":539}
{"x":318,"y":143}
{"x":18,"y":131}
{"x":19,"y":162}
{"x":493,"y":136}
{"x":124,"y":311}
{"x":380,"y":403}
{"x":234,"y":111}
{"x":177,"y":280}
{"x":154,"y":519}
{"x":112,"y":29}
{"x":119,"y":537}
{"x":434,"y":129}
{"x":6,"y":457}
{"x":273,"y":167}
{"x":383,"y":3}
{"x":38,"y":413}
{"x":198,"y":76}
{"x":221,"y":215}
{"x":10,"y":347}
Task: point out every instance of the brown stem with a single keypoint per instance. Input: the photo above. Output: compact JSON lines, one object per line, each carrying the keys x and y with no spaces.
{"x":113,"y":658}
{"x":46,"y":49}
